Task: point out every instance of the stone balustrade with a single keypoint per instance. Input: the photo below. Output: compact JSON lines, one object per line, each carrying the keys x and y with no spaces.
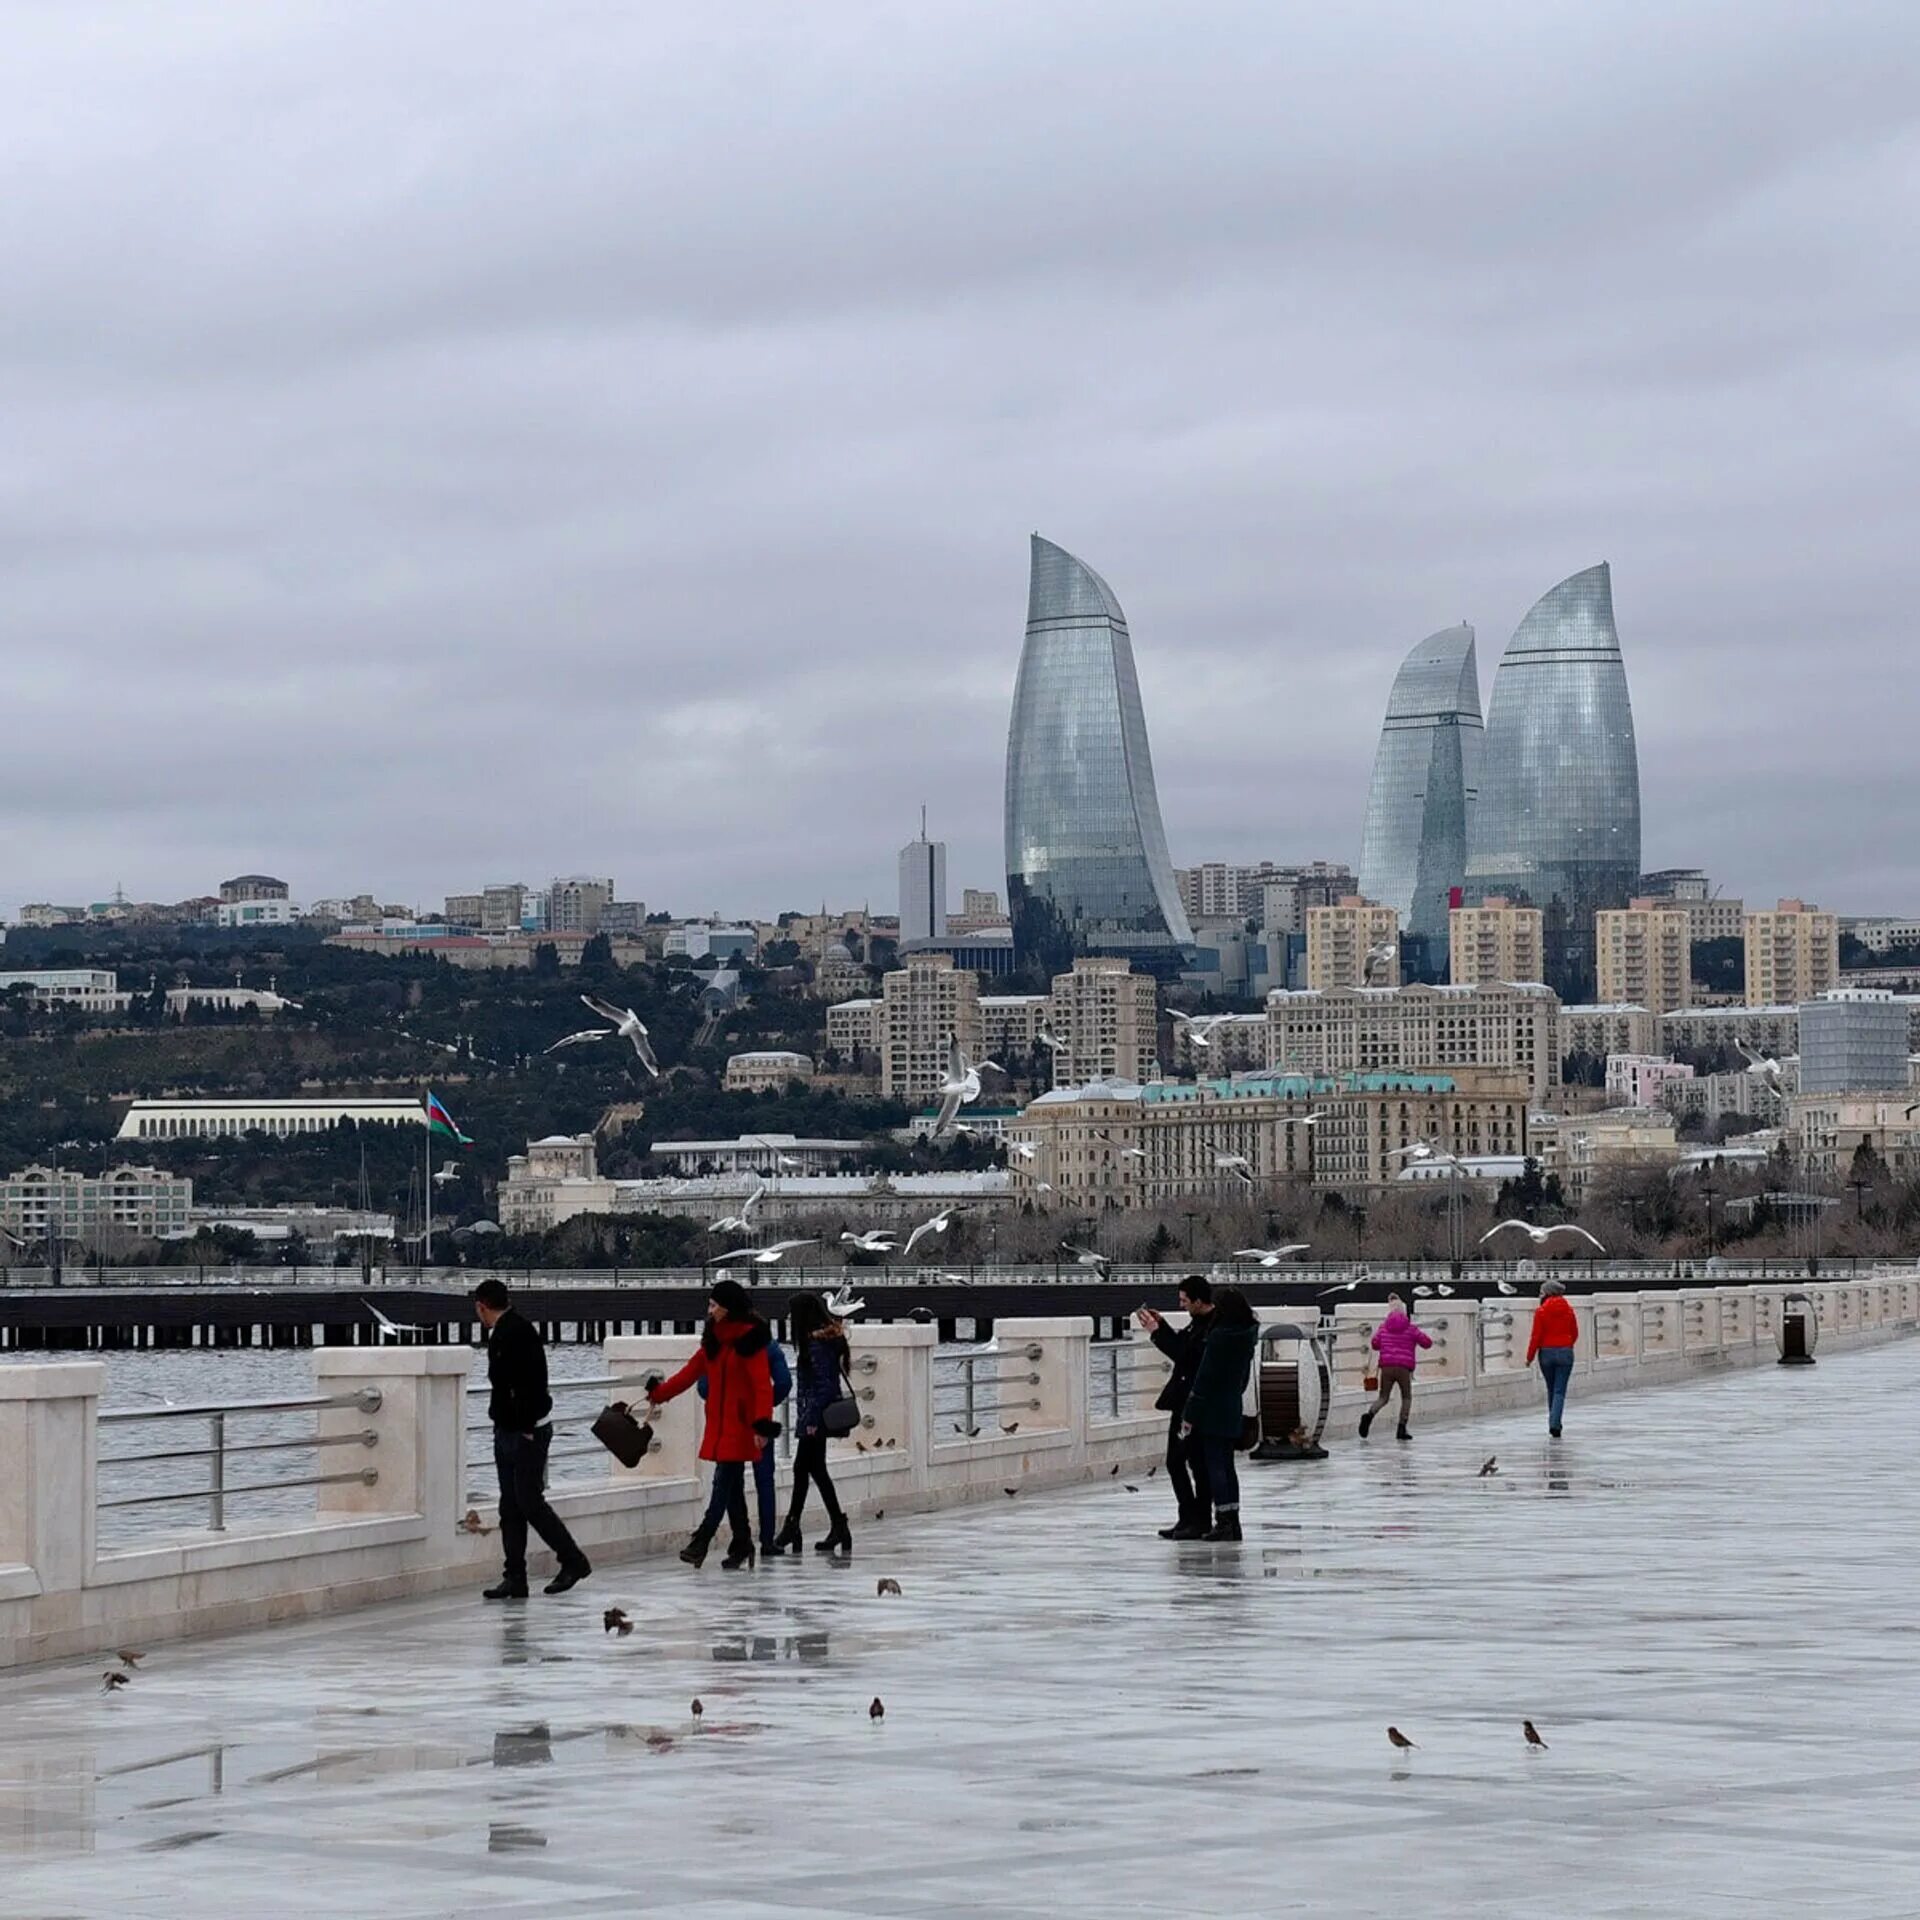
{"x":1046,"y":1406}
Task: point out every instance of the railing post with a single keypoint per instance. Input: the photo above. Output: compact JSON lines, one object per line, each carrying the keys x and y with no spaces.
{"x":217,"y":1478}
{"x":49,"y":1436}
{"x":1062,"y":1367}
{"x":419,"y":1450}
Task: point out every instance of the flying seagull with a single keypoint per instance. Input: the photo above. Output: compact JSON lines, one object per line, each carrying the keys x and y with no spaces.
{"x":760,"y":1256}
{"x":741,"y":1222}
{"x":1023,"y":1149}
{"x":1086,"y":1257}
{"x":1541,"y":1235}
{"x":1380,"y":957}
{"x":629,"y":1026}
{"x":939,"y":1223}
{"x":1199,"y":1026}
{"x":1270,"y":1256}
{"x":874,"y":1240}
{"x":389,"y":1329}
{"x":1048,"y":1038}
{"x":845,"y":1304}
{"x":961,"y":1087}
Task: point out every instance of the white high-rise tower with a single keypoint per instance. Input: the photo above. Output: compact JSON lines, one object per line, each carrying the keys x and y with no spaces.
{"x":923,"y":887}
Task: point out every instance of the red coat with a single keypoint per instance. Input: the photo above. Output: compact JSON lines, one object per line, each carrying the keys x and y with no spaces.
{"x":1554,"y":1325}
{"x":732,"y":1358}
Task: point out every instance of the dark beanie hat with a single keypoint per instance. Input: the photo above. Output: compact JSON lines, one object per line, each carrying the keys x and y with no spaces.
{"x":733,"y":1297}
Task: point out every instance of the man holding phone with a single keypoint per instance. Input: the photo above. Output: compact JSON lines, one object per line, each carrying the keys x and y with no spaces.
{"x":1182,"y":1346}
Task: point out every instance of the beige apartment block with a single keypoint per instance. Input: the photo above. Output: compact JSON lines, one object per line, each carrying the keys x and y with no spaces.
{"x":1493,"y":942}
{"x":1829,"y":1129}
{"x":1162,"y":1146}
{"x":1339,"y":939}
{"x":1793,"y":953}
{"x":1644,"y":953}
{"x":1009,"y":1033}
{"x":1511,"y":1027}
{"x":853,"y":1029}
{"x":1606,"y":1029}
{"x":924,"y":1006}
{"x":1107,"y":1019}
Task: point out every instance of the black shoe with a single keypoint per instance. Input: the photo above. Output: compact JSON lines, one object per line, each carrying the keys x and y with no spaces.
{"x":738,"y":1555}
{"x":1553,"y":1433}
{"x":569,"y":1577}
{"x":787,"y":1540}
{"x":839,"y":1539}
{"x":1185,"y":1530}
{"x":771,"y":1546}
{"x":1366,"y":1425}
{"x":1402,"y":1434}
{"x":694,"y":1553}
{"x":506,"y":1590}
{"x":1227,"y":1527}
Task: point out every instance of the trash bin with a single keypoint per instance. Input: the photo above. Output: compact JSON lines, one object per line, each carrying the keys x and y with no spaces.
{"x":1295,"y":1387}
{"x":1799,"y":1330}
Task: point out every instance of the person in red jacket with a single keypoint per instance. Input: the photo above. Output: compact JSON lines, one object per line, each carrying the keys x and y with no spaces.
{"x":732,"y":1359}
{"x":1554,"y":1332}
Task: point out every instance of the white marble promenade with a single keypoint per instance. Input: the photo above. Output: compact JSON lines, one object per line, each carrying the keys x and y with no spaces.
{"x":1702,"y":1596}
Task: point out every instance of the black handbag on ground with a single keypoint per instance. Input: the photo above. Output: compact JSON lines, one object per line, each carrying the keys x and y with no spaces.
{"x":838,"y":1418}
{"x":626,"y":1438}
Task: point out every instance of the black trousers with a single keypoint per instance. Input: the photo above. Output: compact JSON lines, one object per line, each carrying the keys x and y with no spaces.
{"x":522,"y":1462}
{"x":1213,"y":1453}
{"x":1189,"y":1489}
{"x":810,"y":1468}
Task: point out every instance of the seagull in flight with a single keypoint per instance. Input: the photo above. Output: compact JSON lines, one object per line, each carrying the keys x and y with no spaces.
{"x":741,"y":1222}
{"x":1345,"y":1286}
{"x":845,"y":1304}
{"x":1271,"y":1256}
{"x":1235,"y":1164}
{"x":760,"y":1256}
{"x":1541,"y":1235}
{"x":389,"y":1329}
{"x":874,"y":1240}
{"x":1380,"y":957}
{"x":629,"y":1026}
{"x":1762,"y":1066}
{"x":1023,"y":1149}
{"x":961,"y":1087}
{"x":1126,"y":1153}
{"x":451,"y":1171}
{"x":1049,"y":1039}
{"x":939,"y":1223}
{"x":1086,"y":1257}
{"x":1199,"y":1026}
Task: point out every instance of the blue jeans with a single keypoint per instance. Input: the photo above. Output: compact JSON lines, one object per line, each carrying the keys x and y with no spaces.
{"x":763,"y":1495}
{"x":1556,"y":1369}
{"x":729,"y":1498}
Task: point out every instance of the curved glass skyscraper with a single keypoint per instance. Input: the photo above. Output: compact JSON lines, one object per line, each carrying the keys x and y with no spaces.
{"x":1087,"y":866}
{"x":1413,"y":850}
{"x":1557,"y":823}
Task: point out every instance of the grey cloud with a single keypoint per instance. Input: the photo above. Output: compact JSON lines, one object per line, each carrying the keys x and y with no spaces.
{"x":448,"y":441}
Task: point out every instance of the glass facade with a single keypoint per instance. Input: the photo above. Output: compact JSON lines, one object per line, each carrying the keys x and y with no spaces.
{"x":1557,"y":821}
{"x":1413,"y":850}
{"x":1087,"y":866}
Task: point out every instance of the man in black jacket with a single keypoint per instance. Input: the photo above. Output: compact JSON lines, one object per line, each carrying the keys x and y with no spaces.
{"x":1182,"y":1346}
{"x":522,"y":1433}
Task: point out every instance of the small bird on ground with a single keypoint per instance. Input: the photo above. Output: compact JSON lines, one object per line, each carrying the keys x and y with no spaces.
{"x":1113,"y":1472}
{"x":879,"y":1513}
{"x":887,"y":1587}
{"x":614,"y":1618}
{"x":111,"y":1680}
{"x":1533,"y":1735}
{"x":1489,"y":1466}
{"x":1130,"y":1487}
{"x":1010,"y":1491}
{"x":473,"y":1523}
{"x":129,"y":1657}
{"x":698,"y":1709}
{"x":876,"y":1711}
{"x":1399,"y":1739}
{"x":1013,"y":1426}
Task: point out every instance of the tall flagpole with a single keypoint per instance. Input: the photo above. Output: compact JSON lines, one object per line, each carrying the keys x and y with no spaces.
{"x":426,"y":1249}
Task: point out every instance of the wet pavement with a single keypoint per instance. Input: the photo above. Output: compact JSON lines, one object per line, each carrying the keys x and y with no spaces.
{"x":1700,"y":1595}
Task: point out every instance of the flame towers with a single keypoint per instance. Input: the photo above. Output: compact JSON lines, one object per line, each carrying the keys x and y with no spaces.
{"x":1557,"y":821}
{"x":1413,"y":851}
{"x":1087,"y":865}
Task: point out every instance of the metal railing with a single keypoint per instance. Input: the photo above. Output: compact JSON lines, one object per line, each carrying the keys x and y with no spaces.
{"x":1113,"y":1370}
{"x":982,"y":1384}
{"x":219,"y":1449}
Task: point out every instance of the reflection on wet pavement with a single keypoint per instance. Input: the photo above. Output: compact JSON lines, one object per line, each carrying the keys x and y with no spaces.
{"x":1698,"y":1596}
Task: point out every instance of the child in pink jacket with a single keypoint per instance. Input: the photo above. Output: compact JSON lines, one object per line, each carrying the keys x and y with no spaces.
{"x":1398,"y":1341}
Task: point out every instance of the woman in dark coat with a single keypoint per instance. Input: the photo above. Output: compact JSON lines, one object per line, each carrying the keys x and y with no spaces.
{"x":819,"y":1373}
{"x":732,"y":1359}
{"x":1216,"y":1404}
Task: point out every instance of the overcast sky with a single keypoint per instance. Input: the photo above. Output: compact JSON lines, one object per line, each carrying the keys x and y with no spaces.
{"x":454,"y":442}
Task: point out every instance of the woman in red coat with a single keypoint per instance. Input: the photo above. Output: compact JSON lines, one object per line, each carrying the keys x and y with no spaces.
{"x":1555,"y":1329}
{"x":732,"y":1359}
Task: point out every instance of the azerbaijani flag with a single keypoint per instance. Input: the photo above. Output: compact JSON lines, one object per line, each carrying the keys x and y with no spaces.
{"x":440,"y":1123}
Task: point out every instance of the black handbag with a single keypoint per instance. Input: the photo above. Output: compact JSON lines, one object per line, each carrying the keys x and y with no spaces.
{"x":838,"y":1418}
{"x":626,"y":1438}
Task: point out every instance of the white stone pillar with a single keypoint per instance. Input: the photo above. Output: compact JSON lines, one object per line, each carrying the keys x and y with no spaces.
{"x":419,"y":1453}
{"x":675,"y":1454}
{"x":893,"y":1383}
{"x":49,"y":1435}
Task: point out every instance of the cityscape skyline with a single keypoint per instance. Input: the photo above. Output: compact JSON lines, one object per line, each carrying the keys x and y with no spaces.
{"x":563,"y":535}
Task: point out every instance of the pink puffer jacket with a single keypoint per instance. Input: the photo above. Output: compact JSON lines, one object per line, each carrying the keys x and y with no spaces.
{"x":1398,"y":1340}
